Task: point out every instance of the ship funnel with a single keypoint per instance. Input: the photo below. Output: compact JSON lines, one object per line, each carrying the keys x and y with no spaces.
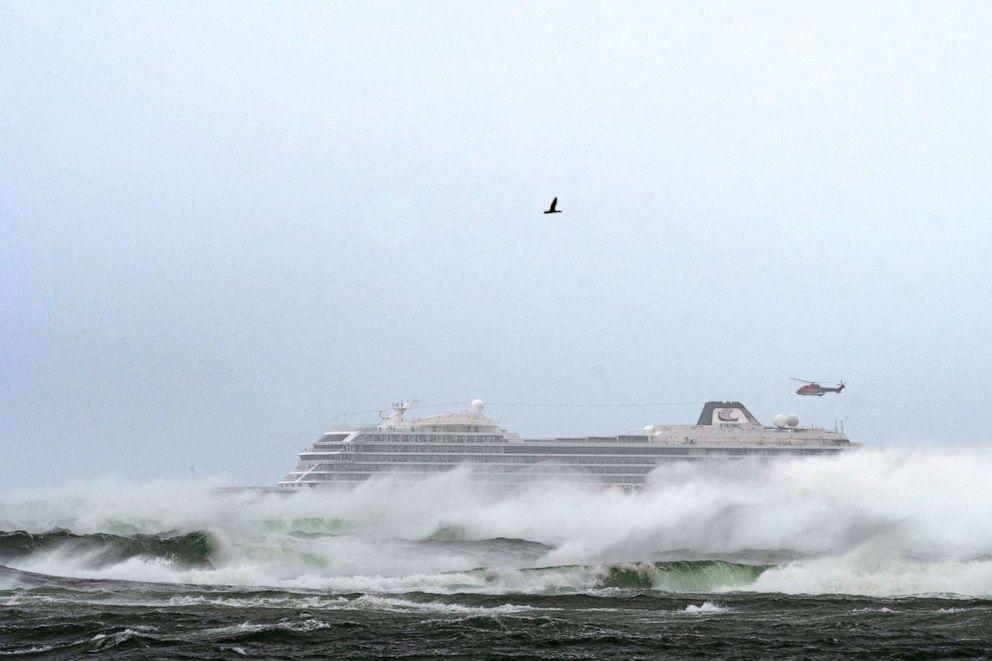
{"x":726,"y":413}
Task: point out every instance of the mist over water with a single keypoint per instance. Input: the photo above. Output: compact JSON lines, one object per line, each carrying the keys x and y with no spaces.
{"x":877,"y":552}
{"x":874,"y":522}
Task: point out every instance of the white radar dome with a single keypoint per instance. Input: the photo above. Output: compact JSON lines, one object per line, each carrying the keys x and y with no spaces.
{"x":650,"y":429}
{"x":779,"y":421}
{"x":477,"y":406}
{"x":792,"y":420}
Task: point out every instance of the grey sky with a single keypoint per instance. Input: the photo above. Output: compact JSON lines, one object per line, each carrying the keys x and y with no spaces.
{"x":223,"y":224}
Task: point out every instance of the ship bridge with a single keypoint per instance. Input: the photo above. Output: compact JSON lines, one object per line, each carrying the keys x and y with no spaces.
{"x":473,"y":420}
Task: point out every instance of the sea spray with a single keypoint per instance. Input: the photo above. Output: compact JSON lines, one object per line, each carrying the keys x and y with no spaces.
{"x":923,"y":514}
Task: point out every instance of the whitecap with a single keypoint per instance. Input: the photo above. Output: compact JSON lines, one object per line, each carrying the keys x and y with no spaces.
{"x":705,"y":608}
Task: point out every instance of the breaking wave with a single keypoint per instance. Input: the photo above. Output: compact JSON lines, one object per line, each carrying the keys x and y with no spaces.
{"x":704,"y":608}
{"x":670,"y":576}
{"x":104,"y":549}
{"x":880,"y":522}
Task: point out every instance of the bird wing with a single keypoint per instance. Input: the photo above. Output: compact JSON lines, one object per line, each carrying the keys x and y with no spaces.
{"x":554,"y":203}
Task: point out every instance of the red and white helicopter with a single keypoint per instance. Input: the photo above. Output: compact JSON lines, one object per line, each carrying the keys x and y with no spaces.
{"x":814,"y":389}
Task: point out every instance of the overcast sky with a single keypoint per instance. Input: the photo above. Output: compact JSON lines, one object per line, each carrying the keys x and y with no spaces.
{"x":221,"y":225}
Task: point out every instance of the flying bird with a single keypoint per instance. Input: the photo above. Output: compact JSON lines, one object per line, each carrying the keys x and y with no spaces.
{"x":554,"y":203}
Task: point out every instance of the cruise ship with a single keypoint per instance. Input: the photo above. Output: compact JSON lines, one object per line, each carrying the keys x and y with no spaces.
{"x":431,"y":444}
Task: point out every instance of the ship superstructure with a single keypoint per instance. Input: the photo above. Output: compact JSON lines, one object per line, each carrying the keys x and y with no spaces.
{"x":428,"y":445}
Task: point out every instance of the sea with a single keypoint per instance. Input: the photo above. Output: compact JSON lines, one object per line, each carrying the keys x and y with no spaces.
{"x":873,"y":554}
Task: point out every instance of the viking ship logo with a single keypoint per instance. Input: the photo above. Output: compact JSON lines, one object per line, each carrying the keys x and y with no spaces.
{"x":727,"y":415}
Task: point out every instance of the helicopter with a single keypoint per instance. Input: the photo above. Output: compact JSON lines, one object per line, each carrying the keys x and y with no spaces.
{"x":814,"y":389}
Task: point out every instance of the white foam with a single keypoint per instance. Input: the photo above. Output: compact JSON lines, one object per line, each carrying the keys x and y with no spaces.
{"x":106,"y":641}
{"x":875,"y":572}
{"x":860,"y":515}
{"x":296,"y":601}
{"x":309,"y":624}
{"x":379,"y":603}
{"x":705,"y":607}
{"x":41,"y":649}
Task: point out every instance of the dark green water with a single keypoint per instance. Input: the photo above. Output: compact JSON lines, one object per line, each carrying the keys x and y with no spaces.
{"x":878,"y":555}
{"x":46,"y":616}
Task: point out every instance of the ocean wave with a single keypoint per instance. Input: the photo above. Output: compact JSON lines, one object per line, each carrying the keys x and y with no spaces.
{"x":875,"y":572}
{"x":361,"y":602}
{"x":668,"y":576}
{"x":707,"y":607}
{"x":380,"y":603}
{"x":28,"y":651}
{"x":104,"y":549}
{"x":98,"y":643}
{"x":873,"y":522}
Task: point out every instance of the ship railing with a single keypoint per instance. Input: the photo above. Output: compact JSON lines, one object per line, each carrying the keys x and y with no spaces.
{"x":784,"y":443}
{"x":307,"y":472}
